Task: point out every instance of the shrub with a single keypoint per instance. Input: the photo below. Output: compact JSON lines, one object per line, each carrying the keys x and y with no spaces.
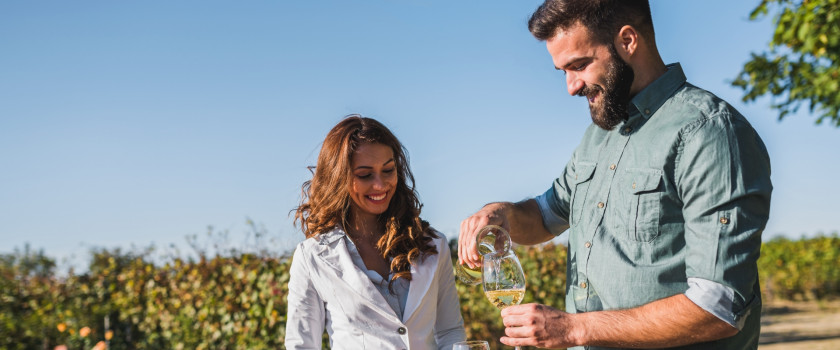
{"x":237,"y":300}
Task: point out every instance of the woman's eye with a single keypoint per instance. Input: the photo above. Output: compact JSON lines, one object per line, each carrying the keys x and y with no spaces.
{"x":388,"y":171}
{"x":363,"y":176}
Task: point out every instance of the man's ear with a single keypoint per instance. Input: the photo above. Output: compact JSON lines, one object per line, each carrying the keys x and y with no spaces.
{"x":627,"y":41}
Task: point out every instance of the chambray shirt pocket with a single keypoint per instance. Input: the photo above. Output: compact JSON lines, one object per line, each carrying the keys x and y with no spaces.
{"x":581,"y":182}
{"x":578,"y":298}
{"x":639,"y":208}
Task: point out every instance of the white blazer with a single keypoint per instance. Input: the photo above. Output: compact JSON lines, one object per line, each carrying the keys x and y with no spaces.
{"x":326,"y":290}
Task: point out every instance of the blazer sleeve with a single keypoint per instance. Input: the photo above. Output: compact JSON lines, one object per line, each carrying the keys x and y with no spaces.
{"x":449,"y":325}
{"x":305,"y":316}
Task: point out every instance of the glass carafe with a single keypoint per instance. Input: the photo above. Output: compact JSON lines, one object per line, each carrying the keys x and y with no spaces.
{"x":490,"y":238}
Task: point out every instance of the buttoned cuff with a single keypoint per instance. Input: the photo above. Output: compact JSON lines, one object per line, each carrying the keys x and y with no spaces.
{"x":716,"y":299}
{"x":552,"y":222}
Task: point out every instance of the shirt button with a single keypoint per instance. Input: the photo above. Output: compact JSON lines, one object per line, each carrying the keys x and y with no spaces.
{"x":612,"y":167}
{"x":724,"y":221}
{"x":401,"y":330}
{"x":627,"y":130}
{"x":587,"y":244}
{"x":600,"y":204}
{"x":647,"y":111}
{"x":583,"y":284}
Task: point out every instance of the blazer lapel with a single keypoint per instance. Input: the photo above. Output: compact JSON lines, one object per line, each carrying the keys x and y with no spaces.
{"x":422,"y":275}
{"x":332,"y":251}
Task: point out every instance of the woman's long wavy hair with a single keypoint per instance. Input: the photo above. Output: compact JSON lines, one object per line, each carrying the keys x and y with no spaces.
{"x":325,"y":199}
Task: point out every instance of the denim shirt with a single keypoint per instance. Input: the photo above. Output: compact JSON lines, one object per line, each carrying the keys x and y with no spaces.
{"x":677,"y":195}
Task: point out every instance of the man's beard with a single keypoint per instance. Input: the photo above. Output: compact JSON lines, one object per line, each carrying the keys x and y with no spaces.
{"x":611,"y":107}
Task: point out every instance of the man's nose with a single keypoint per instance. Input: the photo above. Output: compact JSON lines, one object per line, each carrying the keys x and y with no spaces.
{"x":573,"y":84}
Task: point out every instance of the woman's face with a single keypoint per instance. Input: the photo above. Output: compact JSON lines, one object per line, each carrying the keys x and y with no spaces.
{"x":374,"y":179}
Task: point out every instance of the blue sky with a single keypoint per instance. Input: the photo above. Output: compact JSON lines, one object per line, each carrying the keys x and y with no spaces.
{"x":138,"y":122}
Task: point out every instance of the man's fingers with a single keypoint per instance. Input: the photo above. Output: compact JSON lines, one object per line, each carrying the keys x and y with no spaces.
{"x":471,"y":246}
{"x":461,"y":240}
{"x":518,"y":320}
{"x":518,"y":341}
{"x":521,"y":328}
{"x":523,"y":309}
{"x":466,"y":243}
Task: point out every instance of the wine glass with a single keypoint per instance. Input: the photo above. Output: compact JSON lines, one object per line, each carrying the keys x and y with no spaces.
{"x":504,"y":279}
{"x":471,"y":345}
{"x":490,"y":238}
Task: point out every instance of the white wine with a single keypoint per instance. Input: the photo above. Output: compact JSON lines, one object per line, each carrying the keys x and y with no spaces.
{"x":472,"y":276}
{"x":503,"y":298}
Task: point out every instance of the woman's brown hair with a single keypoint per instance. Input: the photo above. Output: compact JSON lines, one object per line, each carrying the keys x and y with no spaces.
{"x":325,"y":200}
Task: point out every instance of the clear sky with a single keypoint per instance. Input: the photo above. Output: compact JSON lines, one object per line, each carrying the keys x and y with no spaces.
{"x":138,"y":122}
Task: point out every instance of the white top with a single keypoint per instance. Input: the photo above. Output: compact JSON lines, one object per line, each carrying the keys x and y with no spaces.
{"x":327,"y":291}
{"x":396,"y":295}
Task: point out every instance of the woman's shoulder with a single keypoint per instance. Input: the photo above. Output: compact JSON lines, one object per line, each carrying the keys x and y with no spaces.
{"x":324,"y":238}
{"x":439,"y":240}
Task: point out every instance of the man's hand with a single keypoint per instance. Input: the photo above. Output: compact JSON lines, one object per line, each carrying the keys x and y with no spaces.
{"x":490,"y":214}
{"x":539,"y":325}
{"x":522,"y":220}
{"x":668,"y":322}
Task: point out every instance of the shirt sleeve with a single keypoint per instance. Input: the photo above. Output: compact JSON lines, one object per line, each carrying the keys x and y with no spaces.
{"x":552,"y":221}
{"x":449,"y":325}
{"x":722,"y":176}
{"x":305,"y":316}
{"x":555,"y":203}
{"x":716,"y":299}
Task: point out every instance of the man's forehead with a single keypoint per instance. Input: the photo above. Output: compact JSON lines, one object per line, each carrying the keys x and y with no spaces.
{"x":576,"y":32}
{"x":570,"y":45}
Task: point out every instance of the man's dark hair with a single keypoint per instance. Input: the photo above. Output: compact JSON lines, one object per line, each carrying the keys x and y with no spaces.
{"x":603,"y":18}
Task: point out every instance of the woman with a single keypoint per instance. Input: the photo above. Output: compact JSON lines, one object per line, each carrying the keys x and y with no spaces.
{"x":370,"y":271}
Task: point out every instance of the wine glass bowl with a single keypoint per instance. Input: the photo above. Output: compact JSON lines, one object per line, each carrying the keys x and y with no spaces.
{"x":471,"y":345}
{"x":503,"y":279}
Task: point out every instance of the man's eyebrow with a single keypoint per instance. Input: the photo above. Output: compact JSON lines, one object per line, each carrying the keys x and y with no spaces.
{"x":570,"y":62}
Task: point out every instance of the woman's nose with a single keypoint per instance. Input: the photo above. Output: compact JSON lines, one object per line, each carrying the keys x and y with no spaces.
{"x":378,"y":182}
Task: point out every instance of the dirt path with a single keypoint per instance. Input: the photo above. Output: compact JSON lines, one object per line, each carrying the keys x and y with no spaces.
{"x":800,"y":325}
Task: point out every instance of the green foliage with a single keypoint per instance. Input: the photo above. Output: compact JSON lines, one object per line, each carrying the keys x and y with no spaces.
{"x":239,"y":301}
{"x":233,"y":302}
{"x":804,"y":269}
{"x":22,"y":276}
{"x":803,"y":64}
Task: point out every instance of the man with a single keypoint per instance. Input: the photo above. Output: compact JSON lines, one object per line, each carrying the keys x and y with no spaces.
{"x":665,"y":198}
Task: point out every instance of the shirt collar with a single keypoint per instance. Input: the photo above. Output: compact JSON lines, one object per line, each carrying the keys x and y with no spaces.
{"x":654,"y":95}
{"x":331,"y":236}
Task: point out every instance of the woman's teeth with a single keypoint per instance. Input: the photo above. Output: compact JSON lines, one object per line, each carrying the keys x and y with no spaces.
{"x":377,"y":198}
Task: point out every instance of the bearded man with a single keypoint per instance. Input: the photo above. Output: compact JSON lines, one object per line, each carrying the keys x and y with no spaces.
{"x":665,"y":198}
